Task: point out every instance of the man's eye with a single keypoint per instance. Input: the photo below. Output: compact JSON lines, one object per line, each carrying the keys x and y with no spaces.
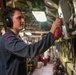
{"x":20,"y":17}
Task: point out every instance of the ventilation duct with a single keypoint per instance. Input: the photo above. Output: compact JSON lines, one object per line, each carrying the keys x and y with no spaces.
{"x":64,"y":10}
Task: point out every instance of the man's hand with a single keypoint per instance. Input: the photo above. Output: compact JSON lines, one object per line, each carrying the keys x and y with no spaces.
{"x":57,"y":23}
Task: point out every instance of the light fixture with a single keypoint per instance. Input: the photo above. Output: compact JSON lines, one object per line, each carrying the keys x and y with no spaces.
{"x":28,"y":33}
{"x":40,"y":16}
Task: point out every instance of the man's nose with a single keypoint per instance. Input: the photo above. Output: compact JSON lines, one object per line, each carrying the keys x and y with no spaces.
{"x":22,"y":20}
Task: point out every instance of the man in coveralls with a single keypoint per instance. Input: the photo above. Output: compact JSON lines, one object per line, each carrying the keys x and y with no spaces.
{"x":13,"y":50}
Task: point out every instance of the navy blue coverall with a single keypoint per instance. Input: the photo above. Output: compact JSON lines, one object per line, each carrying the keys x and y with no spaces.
{"x":13,"y":51}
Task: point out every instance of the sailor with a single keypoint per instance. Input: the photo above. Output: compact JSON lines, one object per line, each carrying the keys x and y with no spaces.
{"x":13,"y":50}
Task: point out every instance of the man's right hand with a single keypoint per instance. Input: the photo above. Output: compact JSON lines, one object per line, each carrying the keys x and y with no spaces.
{"x":57,"y":23}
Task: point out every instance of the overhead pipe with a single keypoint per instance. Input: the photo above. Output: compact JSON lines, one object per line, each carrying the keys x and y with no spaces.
{"x":13,"y":3}
{"x":49,"y":19}
{"x":49,"y":3}
{"x":53,"y":4}
{"x":10,"y":2}
{"x":51,"y":13}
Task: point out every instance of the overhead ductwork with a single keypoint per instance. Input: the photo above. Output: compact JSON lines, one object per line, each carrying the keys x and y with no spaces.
{"x":64,"y":10}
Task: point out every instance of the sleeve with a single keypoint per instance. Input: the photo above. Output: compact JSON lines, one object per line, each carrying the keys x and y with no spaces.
{"x":20,"y":48}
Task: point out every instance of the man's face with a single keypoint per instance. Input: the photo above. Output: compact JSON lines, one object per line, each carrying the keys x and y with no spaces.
{"x":18,"y":21}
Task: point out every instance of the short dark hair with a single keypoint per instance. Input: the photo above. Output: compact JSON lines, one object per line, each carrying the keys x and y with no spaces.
{"x":9,"y":11}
